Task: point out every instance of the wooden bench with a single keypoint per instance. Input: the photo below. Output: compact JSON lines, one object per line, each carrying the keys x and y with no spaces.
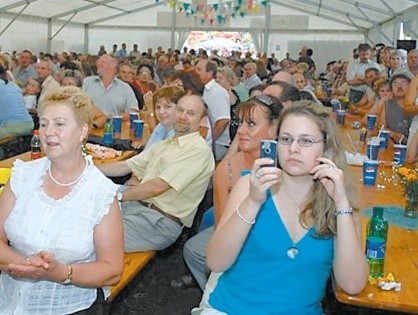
{"x":6,"y":140}
{"x":133,"y":263}
{"x":13,"y":145}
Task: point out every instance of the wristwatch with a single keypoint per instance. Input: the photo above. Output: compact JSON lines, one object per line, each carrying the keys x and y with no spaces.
{"x":69,"y":278}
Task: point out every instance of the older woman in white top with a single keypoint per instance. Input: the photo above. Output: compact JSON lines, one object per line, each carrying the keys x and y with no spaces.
{"x":61,"y":233}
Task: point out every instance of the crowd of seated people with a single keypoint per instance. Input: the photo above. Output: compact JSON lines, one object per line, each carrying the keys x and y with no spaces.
{"x":210,"y":89}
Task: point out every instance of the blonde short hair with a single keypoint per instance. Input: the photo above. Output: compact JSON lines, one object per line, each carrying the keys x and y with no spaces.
{"x":73,"y":97}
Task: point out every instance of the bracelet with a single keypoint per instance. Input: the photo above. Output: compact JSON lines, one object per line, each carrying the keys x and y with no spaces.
{"x":69,"y":278}
{"x":347,"y":210}
{"x":242,"y":218}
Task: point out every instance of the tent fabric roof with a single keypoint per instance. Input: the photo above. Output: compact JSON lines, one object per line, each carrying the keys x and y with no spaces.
{"x":361,"y":14}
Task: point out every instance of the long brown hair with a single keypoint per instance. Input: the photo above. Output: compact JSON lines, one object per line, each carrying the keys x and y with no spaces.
{"x":320,"y":208}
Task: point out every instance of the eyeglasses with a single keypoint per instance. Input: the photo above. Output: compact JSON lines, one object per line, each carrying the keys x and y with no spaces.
{"x":69,"y":73}
{"x":264,"y":99}
{"x":402,"y":83}
{"x":303,"y":141}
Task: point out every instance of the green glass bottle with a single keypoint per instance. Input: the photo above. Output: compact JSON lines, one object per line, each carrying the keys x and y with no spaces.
{"x":377,"y":232}
{"x":108,"y":133}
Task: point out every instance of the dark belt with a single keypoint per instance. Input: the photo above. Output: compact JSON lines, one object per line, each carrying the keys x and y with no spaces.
{"x":167,"y":215}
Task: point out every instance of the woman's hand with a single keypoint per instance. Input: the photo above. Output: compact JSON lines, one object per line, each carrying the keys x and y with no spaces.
{"x":148,"y":102}
{"x":133,"y":181}
{"x":333,"y":180}
{"x":42,"y":265}
{"x":137,"y":144}
{"x":262,"y":177}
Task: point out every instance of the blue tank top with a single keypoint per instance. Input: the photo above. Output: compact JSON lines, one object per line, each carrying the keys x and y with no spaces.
{"x":264,"y":280}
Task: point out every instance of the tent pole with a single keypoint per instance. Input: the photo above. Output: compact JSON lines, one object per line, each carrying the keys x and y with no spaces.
{"x":173,"y":26}
{"x":267,"y":27}
{"x":49,"y":40}
{"x":14,"y":18}
{"x":86,"y":38}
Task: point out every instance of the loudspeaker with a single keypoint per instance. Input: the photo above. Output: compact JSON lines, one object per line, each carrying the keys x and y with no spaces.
{"x":406,"y":44}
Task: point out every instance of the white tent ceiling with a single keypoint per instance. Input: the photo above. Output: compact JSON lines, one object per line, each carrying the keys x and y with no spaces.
{"x":361,"y":14}
{"x":83,"y":25}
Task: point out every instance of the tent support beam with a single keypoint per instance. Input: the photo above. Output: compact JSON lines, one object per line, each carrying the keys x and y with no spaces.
{"x":14,"y":18}
{"x":230,"y":29}
{"x":52,"y":36}
{"x":86,"y":38}
{"x":324,"y":16}
{"x":367,"y":6}
{"x":393,"y":13}
{"x":150,"y":6}
{"x":378,"y":28}
{"x":87,"y":7}
{"x":326,"y":7}
{"x":16,"y":4}
{"x":355,"y":25}
{"x":173,"y":26}
{"x":267,"y":26}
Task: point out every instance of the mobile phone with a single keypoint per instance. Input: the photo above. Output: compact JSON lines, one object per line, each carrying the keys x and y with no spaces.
{"x":268,"y":148}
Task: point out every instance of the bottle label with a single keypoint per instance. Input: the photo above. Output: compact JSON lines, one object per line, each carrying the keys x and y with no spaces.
{"x":36,"y":155}
{"x":107,"y":139}
{"x":375,"y":247}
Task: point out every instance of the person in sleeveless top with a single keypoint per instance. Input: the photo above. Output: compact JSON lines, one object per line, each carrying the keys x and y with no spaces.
{"x":61,"y":232}
{"x":283,"y":229}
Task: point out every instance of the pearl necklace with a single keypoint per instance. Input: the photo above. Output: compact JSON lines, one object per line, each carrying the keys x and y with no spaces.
{"x":66,"y":184}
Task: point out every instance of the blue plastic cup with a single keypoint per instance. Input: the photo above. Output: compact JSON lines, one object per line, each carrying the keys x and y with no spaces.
{"x":336,"y":104}
{"x":370,"y":172}
{"x":340,"y":117}
{"x":117,"y":126}
{"x":384,"y":139}
{"x":133,"y":116}
{"x":138,"y":129}
{"x":399,"y":154}
{"x":371,"y":121}
{"x":373,"y":150}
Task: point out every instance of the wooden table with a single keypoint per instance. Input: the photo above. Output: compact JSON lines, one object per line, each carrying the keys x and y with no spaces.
{"x":26,"y":157}
{"x":126,"y":131}
{"x":125,"y":135}
{"x":402,"y":246}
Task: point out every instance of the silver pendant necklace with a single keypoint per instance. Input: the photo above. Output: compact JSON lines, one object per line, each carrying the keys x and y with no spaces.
{"x":66,"y":184}
{"x":292,"y":252}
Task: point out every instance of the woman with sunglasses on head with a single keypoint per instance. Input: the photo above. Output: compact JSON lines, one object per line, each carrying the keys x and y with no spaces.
{"x":258,"y":118}
{"x":284,"y":229}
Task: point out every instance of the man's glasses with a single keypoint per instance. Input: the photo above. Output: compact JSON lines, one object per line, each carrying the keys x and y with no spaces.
{"x":303,"y":141}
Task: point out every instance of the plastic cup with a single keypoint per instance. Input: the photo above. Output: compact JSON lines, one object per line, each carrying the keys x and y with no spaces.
{"x":363,"y":135}
{"x":373,"y":149}
{"x":138,"y":129}
{"x":371,"y":121}
{"x":336,"y":104}
{"x":384,"y":139}
{"x":340,"y":117}
{"x":117,"y":126}
{"x":399,"y":154}
{"x":370,"y":172}
{"x":133,"y":116}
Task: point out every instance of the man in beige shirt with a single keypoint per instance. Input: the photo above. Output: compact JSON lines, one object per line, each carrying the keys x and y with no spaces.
{"x":45,"y":69}
{"x":168,"y":182}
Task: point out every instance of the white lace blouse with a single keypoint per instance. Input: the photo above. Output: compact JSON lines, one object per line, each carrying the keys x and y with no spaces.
{"x":64,"y":227}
